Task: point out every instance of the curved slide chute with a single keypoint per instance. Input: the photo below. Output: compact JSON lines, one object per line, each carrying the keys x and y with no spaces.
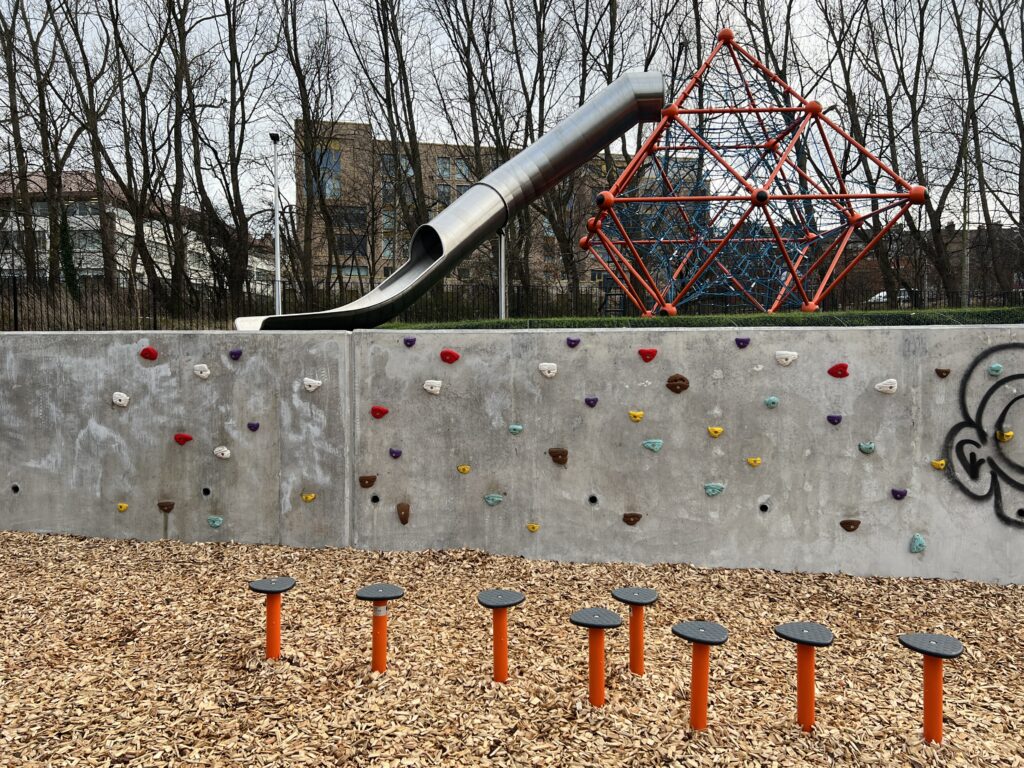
{"x":486,"y":207}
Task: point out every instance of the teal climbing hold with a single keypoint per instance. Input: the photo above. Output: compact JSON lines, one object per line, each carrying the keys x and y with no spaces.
{"x":771,"y":402}
{"x":917,"y":543}
{"x":995,"y":369}
{"x":515,"y":429}
{"x":215,"y":521}
{"x":713,"y":489}
{"x":653,"y":445}
{"x":493,"y":499}
{"x":866,"y":448}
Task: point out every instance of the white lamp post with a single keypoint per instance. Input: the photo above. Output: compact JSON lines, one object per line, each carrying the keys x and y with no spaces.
{"x":275,"y":137}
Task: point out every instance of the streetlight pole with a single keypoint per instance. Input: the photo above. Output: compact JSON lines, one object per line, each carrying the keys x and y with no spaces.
{"x":275,"y":137}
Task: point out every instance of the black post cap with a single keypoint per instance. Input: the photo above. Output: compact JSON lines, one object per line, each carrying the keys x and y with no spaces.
{"x":275,"y":585}
{"x":596,"y":618}
{"x":380,"y":592}
{"x":500,"y":598}
{"x":806,"y":633}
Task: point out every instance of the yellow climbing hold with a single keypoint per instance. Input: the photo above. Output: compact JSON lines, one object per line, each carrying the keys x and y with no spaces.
{"x":533,"y":527}
{"x":463,"y":469}
{"x":636,"y":415}
{"x":716,"y":431}
{"x":754,"y":461}
{"x":122,"y":507}
{"x":1004,"y":436}
{"x":308,"y":497}
{"x":939,"y":464}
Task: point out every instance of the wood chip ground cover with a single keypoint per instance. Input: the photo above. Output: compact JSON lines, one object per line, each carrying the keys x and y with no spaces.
{"x":150,"y":654}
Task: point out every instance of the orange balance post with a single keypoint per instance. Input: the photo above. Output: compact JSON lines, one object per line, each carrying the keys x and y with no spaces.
{"x":807,"y":635}
{"x":703,"y":634}
{"x":596,"y":620}
{"x":379,"y":595}
{"x":499,"y":601}
{"x":273,"y":588}
{"x":637,"y":598}
{"x":934,"y":648}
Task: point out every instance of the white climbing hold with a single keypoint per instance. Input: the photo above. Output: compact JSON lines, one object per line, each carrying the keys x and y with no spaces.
{"x":887,"y":387}
{"x":121,"y":399}
{"x":202,"y":370}
{"x":785,"y":358}
{"x":222,"y":452}
{"x":548,"y":370}
{"x":311,"y":385}
{"x":433,"y":386}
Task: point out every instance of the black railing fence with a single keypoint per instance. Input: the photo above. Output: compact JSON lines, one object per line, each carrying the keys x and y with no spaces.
{"x":136,"y":306}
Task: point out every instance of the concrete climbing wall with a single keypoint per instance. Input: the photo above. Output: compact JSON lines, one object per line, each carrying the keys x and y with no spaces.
{"x":883,"y":451}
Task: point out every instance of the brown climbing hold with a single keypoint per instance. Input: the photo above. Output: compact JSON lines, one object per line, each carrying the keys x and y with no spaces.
{"x":631,"y":518}
{"x":849,"y":525}
{"x":559,"y":455}
{"x":942,"y":372}
{"x":677,"y":383}
{"x":165,"y":506}
{"x":367,"y":481}
{"x":403,"y":513}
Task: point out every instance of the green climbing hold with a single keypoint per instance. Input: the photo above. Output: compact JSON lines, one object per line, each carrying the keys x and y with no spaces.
{"x":515,"y":429}
{"x":653,"y":445}
{"x":866,"y":448}
{"x":713,"y":489}
{"x":215,"y":521}
{"x":917,"y":543}
{"x":995,"y":369}
{"x":493,"y":499}
{"x":771,"y":402}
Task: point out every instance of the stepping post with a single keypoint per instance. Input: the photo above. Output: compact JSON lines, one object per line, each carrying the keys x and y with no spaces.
{"x":379,"y":595}
{"x":596,"y":620}
{"x":499,"y":601}
{"x":636,"y":598}
{"x":934,"y":648}
{"x":703,"y":634}
{"x":273,"y":588}
{"x":808,"y":636}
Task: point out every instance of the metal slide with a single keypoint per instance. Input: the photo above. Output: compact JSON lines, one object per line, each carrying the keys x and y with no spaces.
{"x":486,"y":206}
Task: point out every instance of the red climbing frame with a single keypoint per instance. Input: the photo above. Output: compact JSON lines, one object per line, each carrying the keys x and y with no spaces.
{"x":744,"y":188}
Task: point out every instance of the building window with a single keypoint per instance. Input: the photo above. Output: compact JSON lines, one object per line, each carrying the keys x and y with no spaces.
{"x":351,"y":244}
{"x":444,"y":167}
{"x":83,"y":209}
{"x":349,"y":216}
{"x":462,"y":188}
{"x":596,"y":275}
{"x":350,"y":271}
{"x":444,"y":194}
{"x":328,"y":172}
{"x":388,"y":271}
{"x":387,"y":166}
{"x":461,"y":169}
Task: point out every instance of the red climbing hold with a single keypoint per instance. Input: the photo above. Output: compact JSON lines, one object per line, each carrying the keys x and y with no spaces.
{"x":378,"y":411}
{"x":839,"y":370}
{"x":181,"y":438}
{"x":449,"y":355}
{"x":647,"y":354}
{"x":149,"y":353}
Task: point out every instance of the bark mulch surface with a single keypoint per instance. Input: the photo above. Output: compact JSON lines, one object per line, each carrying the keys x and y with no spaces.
{"x":150,"y":654}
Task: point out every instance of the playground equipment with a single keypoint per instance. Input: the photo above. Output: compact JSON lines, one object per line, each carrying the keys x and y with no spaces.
{"x":636,"y":598}
{"x":934,"y":648}
{"x":596,"y":620}
{"x":486,"y":207}
{"x":499,"y":601}
{"x":273,"y":588}
{"x":702,"y":635}
{"x":807,"y":635}
{"x":379,"y":595}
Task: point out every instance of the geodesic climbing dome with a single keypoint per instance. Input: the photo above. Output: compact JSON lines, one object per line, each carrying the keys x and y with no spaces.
{"x":744,"y":189}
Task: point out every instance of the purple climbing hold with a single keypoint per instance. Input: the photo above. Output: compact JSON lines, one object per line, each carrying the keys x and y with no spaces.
{"x":572,"y":341}
{"x":742,"y":342}
{"x":253,"y":426}
{"x":409,"y":341}
{"x":834,"y":419}
{"x":899,"y":493}
{"x":235,"y":354}
{"x":590,"y":401}
{"x":395,"y":452}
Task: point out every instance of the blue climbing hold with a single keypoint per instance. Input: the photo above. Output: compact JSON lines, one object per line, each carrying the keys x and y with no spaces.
{"x":713,"y":489}
{"x":917,"y":543}
{"x":215,"y":521}
{"x":235,"y":354}
{"x":253,"y":426}
{"x":742,"y":342}
{"x":409,"y":341}
{"x":995,"y":369}
{"x":515,"y":429}
{"x":653,"y":445}
{"x":590,"y":401}
{"x":866,"y":448}
{"x":395,"y":452}
{"x":834,"y":419}
{"x":771,"y":402}
{"x":572,"y":342}
{"x":493,"y":499}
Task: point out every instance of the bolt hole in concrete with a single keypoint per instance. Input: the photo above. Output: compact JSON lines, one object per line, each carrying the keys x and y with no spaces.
{"x":207,"y":491}
{"x":375,"y":498}
{"x":15,"y":488}
{"x":592,"y":499}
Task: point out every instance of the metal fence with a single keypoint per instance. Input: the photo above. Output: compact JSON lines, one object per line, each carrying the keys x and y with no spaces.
{"x":134,"y":306}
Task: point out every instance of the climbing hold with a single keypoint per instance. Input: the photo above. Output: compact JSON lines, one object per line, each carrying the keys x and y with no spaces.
{"x":771,"y":402}
{"x":939,"y":464}
{"x":149,"y":353}
{"x":917,"y":544}
{"x":463,"y":469}
{"x":202,"y":370}
{"x":378,"y":411}
{"x":785,"y":358}
{"x":222,"y":452}
{"x":743,"y":342}
{"x":631,"y":518}
{"x":677,"y":383}
{"x":713,"y":489}
{"x":395,"y":453}
{"x":515,"y":429}
{"x":308,"y":497}
{"x":367,"y":481}
{"x":839,"y":370}
{"x":995,"y":369}
{"x":834,"y":419}
{"x":165,"y":506}
{"x":120,"y":399}
{"x":311,"y":385}
{"x":899,"y":493}
{"x":409,"y":341}
{"x":1004,"y":436}
{"x":866,"y":448}
{"x":493,"y":499}
{"x":636,"y":416}
{"x":548,"y":370}
{"x":449,"y":355}
{"x":887,"y":387}
{"x":647,"y":354}
{"x":235,"y":354}
{"x":942,"y":372}
{"x":533,"y":527}
{"x":559,"y":455}
{"x":653,"y":445}
{"x":591,"y":401}
{"x":215,"y":521}
{"x":181,"y":438}
{"x":122,"y":507}
{"x":716,"y":432}
{"x":433,"y":386}
{"x":253,"y":426}
{"x":754,"y":461}
{"x":849,"y":525}
{"x":402,"y":508}
{"x":572,"y":342}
